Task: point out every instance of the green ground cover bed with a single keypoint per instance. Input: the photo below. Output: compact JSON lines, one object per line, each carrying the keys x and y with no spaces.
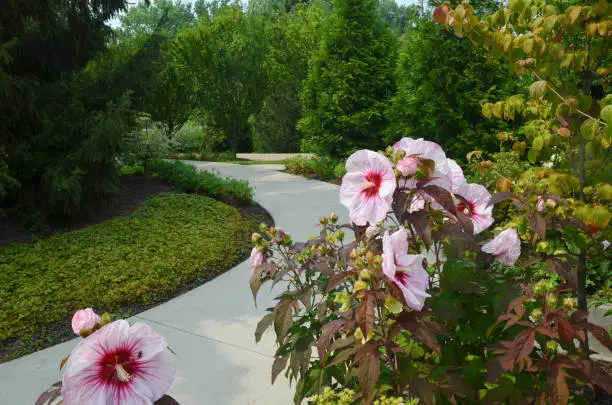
{"x":171,"y":243}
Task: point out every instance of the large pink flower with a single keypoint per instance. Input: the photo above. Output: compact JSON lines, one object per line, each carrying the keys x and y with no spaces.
{"x":85,"y":319}
{"x":119,"y":365}
{"x":506,"y":247}
{"x":477,"y":198}
{"x":257,"y":258}
{"x":432,"y":151}
{"x":367,"y":187}
{"x":456,"y":175}
{"x":405,"y":270}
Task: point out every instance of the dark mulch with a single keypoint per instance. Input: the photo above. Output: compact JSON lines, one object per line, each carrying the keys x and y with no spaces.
{"x":134,"y":190}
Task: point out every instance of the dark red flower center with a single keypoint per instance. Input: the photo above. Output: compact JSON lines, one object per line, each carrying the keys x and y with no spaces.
{"x":117,"y":367}
{"x":467,"y":207}
{"x":373,"y":181}
{"x":403,"y":278}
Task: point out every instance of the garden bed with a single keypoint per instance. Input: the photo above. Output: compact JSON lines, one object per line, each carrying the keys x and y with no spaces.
{"x":152,"y":250}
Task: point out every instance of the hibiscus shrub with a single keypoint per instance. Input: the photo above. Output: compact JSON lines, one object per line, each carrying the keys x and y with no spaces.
{"x":412,"y":306}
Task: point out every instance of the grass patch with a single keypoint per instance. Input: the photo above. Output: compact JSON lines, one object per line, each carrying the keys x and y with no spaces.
{"x":258,"y":162}
{"x":187,"y":178}
{"x":322,"y":168}
{"x":129,"y":262}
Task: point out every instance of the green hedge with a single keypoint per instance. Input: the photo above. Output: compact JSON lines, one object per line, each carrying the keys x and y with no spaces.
{"x":188,"y":178}
{"x":170,"y":241}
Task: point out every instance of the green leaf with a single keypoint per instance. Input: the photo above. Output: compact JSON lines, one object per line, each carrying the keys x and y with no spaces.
{"x":538,"y":143}
{"x":606,"y":114}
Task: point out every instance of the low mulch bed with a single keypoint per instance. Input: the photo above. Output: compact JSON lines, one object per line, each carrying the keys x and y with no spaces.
{"x":141,"y":250}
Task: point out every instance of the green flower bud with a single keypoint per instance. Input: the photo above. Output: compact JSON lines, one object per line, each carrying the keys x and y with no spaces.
{"x":569,"y":304}
{"x":255,"y":237}
{"x":106,"y":318}
{"x":360,"y":263}
{"x":333,"y":218}
{"x":263,"y":227}
{"x":552,"y":301}
{"x":340,"y":235}
{"x":323,"y":220}
{"x":552,"y":347}
{"x":537,"y":314}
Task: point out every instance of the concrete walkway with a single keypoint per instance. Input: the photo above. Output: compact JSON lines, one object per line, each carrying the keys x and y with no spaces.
{"x":211,"y":327}
{"x":272,"y":156}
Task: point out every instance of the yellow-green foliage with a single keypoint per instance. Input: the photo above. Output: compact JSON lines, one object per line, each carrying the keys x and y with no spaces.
{"x":170,"y":241}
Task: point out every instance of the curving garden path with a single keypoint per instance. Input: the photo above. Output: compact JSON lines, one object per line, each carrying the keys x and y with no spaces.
{"x":211,"y":327}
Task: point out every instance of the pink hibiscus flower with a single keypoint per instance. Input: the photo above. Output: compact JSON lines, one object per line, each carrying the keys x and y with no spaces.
{"x":257,"y":258}
{"x":506,"y":247}
{"x":477,"y":198}
{"x":119,"y":365}
{"x":367,"y":187}
{"x":405,"y":270}
{"x":456,"y":175}
{"x":432,"y":151}
{"x":85,"y":320}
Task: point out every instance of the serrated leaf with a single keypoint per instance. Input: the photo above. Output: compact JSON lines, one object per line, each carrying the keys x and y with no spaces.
{"x":365,"y":313}
{"x":368,"y":372}
{"x":499,"y":197}
{"x":589,"y":128}
{"x":442,"y":197}
{"x":327,"y":332}
{"x":263,"y":325}
{"x":282,"y":320}
{"x":600,"y":334}
{"x":278,"y":366}
{"x":538,"y":89}
{"x":343,"y":356}
{"x":573,"y":13}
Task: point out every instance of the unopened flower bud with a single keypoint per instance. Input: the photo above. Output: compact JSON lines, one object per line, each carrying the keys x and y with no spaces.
{"x":287,"y":240}
{"x":552,"y":301}
{"x":106,"y":318}
{"x":536,"y":314}
{"x":552,"y":347}
{"x":280,"y":236}
{"x":323,"y":220}
{"x":370,"y":256}
{"x":364,"y":274}
{"x":333,"y":218}
{"x":340,"y":235}
{"x":330,"y":238}
{"x":377,"y":262}
{"x":360,"y":263}
{"x":353,"y":255}
{"x":255,"y":237}
{"x":569,"y":304}
{"x":263,"y":227}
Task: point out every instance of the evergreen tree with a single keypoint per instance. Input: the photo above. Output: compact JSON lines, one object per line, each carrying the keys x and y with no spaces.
{"x":349,"y":81}
{"x":441,"y":82}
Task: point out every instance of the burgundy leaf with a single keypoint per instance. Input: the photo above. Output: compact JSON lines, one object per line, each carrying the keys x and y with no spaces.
{"x":400,"y":200}
{"x":327,"y":332}
{"x":538,"y":223}
{"x":279,"y":365}
{"x":50,"y":395}
{"x":442,"y":197}
{"x":564,"y":270}
{"x":419,"y":221}
{"x":579,"y":316}
{"x":565,"y":330}
{"x":343,"y":356}
{"x":263,"y":325}
{"x":365,"y":313}
{"x":523,"y":343}
{"x":368,"y":360}
{"x":335,"y":280}
{"x":499,"y":197}
{"x":600,"y":334}
{"x":559,"y":391}
{"x":282,"y":320}
{"x":395,"y":291}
